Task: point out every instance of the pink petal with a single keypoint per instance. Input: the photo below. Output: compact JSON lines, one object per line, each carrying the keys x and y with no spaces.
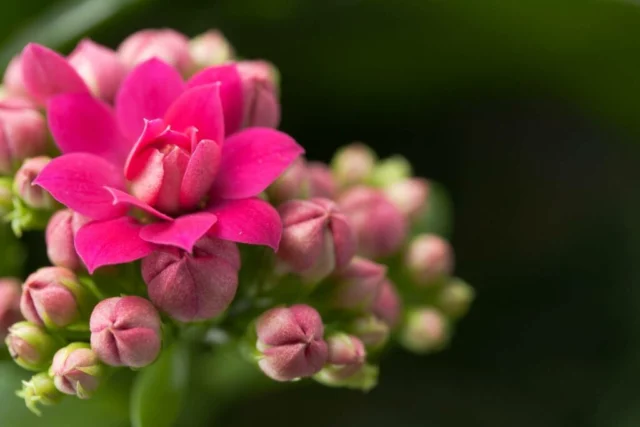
{"x":231,"y":93}
{"x":115,"y":241}
{"x":122,"y":198}
{"x":150,"y":133}
{"x":47,"y":73}
{"x":252,"y":221}
{"x":77,"y":181}
{"x":81,"y":123}
{"x":251,"y":160}
{"x":183,"y":232}
{"x":146,"y":93}
{"x":199,"y":107}
{"x":200,"y":174}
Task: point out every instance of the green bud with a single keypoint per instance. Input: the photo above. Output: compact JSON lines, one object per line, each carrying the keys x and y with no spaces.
{"x":365,"y":379}
{"x":373,"y":332}
{"x":40,"y":389}
{"x":31,"y":346}
{"x":6,"y":196}
{"x":455,"y":298}
{"x":391,"y":170}
{"x":353,"y":164}
{"x":426,"y":330}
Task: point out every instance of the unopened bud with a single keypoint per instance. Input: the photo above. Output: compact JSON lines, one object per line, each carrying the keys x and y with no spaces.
{"x":99,"y":67}
{"x":353,"y":164}
{"x":23,"y":134}
{"x":126,"y":331}
{"x":60,"y":236}
{"x":292,"y":184}
{"x":316,"y":238}
{"x":9,"y":304}
{"x":53,"y":297}
{"x":167,"y":45}
{"x":261,"y":104}
{"x":379,"y":226}
{"x":33,"y":196}
{"x":192,"y":287}
{"x":39,"y":390}
{"x":373,"y":332}
{"x":455,"y":298}
{"x":429,"y":259}
{"x":290,"y":342}
{"x":6,"y":196}
{"x":76,"y":370}
{"x":358,"y":285}
{"x":209,"y":49}
{"x":426,"y":330}
{"x":390,"y":171}
{"x":321,"y":181}
{"x":387,"y":305}
{"x":12,"y":80}
{"x":410,"y":197}
{"x":346,"y":356}
{"x":30,"y":346}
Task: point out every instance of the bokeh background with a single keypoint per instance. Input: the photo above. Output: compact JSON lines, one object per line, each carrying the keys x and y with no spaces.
{"x":528,"y":111}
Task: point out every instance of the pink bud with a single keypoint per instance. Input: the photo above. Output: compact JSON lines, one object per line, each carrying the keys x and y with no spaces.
{"x":379,"y":226}
{"x":292,"y":184}
{"x":9,"y":304}
{"x":23,"y":134}
{"x":30,"y":346}
{"x":358,"y":285}
{"x":99,"y":67}
{"x":353,"y":164}
{"x":12,"y":80}
{"x":168,"y":45}
{"x":428,"y":259}
{"x":426,"y":330}
{"x":316,"y":238}
{"x":410,"y":196}
{"x":76,"y":370}
{"x":321,"y":182}
{"x":33,"y":195}
{"x":60,"y":235}
{"x":210,"y":48}
{"x":291,"y":343}
{"x":387,"y":305}
{"x":52,"y":297}
{"x":126,"y":331}
{"x":193,"y":287}
{"x":261,"y":105}
{"x":346,"y":355}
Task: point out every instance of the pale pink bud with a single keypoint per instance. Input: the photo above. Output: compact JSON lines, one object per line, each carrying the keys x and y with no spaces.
{"x":33,"y":196}
{"x":126,"y":331}
{"x":291,"y":343}
{"x":429,"y":258}
{"x":9,"y":304}
{"x":261,"y":104}
{"x":316,"y":238}
{"x":410,"y":196}
{"x":321,"y":182}
{"x":346,"y":356}
{"x":209,"y":49}
{"x":193,"y":287}
{"x":30,"y":346}
{"x":12,"y":80}
{"x":53,"y":297}
{"x":379,"y":226}
{"x":387,"y":305}
{"x":165,"y":44}
{"x":99,"y":67}
{"x":358,"y":285}
{"x":426,"y":330}
{"x":353,"y":164}
{"x":23,"y":134}
{"x":76,"y":370}
{"x":373,"y":332}
{"x":60,"y":235}
{"x":292,"y":184}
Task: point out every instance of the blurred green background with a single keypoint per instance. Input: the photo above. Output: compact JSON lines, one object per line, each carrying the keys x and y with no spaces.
{"x":528,"y":111}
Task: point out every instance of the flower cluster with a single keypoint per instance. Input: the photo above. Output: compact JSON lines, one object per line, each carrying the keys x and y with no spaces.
{"x":169,"y":200}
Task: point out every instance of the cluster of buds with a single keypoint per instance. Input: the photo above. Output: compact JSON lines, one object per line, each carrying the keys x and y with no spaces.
{"x":175,"y":207}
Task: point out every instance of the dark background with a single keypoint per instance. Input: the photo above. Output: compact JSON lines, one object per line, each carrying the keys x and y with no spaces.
{"x":527,"y":111}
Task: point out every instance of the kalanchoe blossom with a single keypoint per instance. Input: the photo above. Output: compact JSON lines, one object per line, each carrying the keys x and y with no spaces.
{"x":186,"y":178}
{"x":387,"y":305}
{"x":358,"y":285}
{"x":196,"y":286}
{"x":290,"y":342}
{"x":23,"y":184}
{"x":23,"y":134}
{"x":60,"y":235}
{"x":429,"y":258}
{"x":261,"y":104}
{"x":76,"y":370}
{"x":9,"y":304}
{"x":210,"y":48}
{"x":30,"y":346}
{"x":165,"y":44}
{"x":99,"y":67}
{"x":126,"y":331}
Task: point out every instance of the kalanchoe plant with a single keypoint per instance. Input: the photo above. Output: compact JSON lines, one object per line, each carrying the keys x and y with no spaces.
{"x":181,"y":224}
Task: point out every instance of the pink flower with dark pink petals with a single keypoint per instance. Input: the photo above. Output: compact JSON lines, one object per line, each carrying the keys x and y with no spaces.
{"x":164,"y":155}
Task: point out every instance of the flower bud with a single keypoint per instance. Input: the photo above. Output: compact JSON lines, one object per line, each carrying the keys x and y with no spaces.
{"x":390,"y":171}
{"x":316,"y":238}
{"x":99,"y":67}
{"x":40,"y":389}
{"x":358,"y":285}
{"x":193,"y":287}
{"x":168,"y":45}
{"x":126,"y":331}
{"x":30,"y":346}
{"x":455,"y":298}
{"x":209,"y":49}
{"x":291,"y":343}
{"x":23,"y":134}
{"x":76,"y":370}
{"x":260,"y":94}
{"x":373,"y":332}
{"x":53,"y":297}
{"x":59,"y":237}
{"x":346,"y":356}
{"x":6,"y":196}
{"x":9,"y":304}
{"x":429,"y":259}
{"x":12,"y":80}
{"x":353,"y":164}
{"x":426,"y":330}
{"x":34,"y":196}
{"x":387,"y":305}
{"x":292,"y":184}
{"x":379,"y":226}
{"x":409,"y":196}
{"x":321,"y":182}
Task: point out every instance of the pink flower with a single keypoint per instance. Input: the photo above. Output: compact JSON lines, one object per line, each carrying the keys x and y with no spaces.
{"x":170,"y":162}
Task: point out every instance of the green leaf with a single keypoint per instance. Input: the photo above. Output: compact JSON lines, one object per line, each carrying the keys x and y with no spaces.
{"x":159,"y":390}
